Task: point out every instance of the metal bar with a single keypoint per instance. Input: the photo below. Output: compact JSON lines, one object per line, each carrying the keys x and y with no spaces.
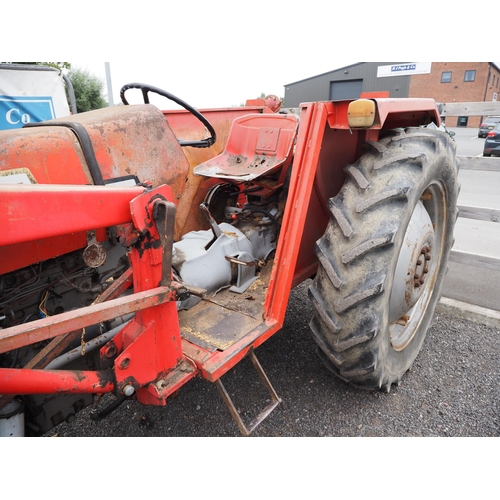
{"x":43,"y":329}
{"x":23,"y":381}
{"x":108,"y":84}
{"x":119,"y":286}
{"x":263,"y":377}
{"x":71,"y":94}
{"x":232,"y":409}
{"x":164,"y":215}
{"x":59,"y":344}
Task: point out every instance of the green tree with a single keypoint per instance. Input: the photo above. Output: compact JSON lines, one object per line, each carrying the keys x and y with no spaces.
{"x":88,"y":90}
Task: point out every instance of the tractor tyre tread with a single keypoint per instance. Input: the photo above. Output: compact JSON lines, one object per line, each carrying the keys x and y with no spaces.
{"x":359,"y":250}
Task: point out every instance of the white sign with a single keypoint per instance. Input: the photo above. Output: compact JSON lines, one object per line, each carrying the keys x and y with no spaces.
{"x":404,"y":69}
{"x":495,"y":96}
{"x":28,"y":96}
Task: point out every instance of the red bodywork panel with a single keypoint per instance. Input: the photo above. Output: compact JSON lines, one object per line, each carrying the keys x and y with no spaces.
{"x":44,"y":221}
{"x":64,"y":209}
{"x":391,"y":113}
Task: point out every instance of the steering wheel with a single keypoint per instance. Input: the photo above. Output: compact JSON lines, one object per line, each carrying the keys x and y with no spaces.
{"x":145,"y":89}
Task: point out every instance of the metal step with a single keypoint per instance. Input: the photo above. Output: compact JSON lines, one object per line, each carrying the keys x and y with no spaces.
{"x":246,"y":430}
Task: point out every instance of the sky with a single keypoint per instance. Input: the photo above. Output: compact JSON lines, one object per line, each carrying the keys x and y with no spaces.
{"x":211,"y":88}
{"x":220,"y":53}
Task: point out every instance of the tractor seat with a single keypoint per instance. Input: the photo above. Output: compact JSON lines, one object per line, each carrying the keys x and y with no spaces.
{"x":257,"y":145}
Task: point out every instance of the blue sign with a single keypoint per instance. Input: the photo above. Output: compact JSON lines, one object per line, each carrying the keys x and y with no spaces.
{"x":404,"y":67}
{"x":16,"y":111}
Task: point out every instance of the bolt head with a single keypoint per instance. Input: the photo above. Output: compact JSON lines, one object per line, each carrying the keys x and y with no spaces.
{"x":128,"y":390}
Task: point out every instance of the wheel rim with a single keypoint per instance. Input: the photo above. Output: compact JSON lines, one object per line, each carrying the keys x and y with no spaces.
{"x":417,"y":267}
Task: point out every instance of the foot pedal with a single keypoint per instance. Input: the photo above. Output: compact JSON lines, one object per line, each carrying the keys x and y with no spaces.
{"x":275,"y":400}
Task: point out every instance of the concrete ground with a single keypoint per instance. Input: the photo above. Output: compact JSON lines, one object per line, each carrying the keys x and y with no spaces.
{"x":476,"y":289}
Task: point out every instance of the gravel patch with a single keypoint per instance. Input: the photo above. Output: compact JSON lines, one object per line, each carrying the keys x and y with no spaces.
{"x":452,"y":389}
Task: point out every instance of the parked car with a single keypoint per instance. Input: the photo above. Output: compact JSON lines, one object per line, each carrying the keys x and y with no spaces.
{"x":488,"y":123}
{"x":492,"y":142}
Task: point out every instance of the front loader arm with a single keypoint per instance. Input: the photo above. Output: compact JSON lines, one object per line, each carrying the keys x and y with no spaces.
{"x":148,"y":348}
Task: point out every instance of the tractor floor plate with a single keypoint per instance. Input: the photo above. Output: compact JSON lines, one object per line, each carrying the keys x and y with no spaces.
{"x":217,"y":322}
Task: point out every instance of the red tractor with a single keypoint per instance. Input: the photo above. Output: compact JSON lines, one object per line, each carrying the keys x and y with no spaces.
{"x":135,"y":254}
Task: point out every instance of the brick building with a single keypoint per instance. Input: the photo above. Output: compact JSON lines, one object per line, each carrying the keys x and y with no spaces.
{"x":442,"y":81}
{"x":458,"y":82}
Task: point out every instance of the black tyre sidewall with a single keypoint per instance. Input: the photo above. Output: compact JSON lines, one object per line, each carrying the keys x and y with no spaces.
{"x":437,"y":170}
{"x":388,"y":365}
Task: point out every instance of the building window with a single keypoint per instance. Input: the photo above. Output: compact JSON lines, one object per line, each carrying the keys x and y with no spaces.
{"x":446,"y":77}
{"x":470,"y":75}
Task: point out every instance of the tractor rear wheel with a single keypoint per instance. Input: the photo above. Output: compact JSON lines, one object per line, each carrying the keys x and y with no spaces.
{"x":383,"y":257}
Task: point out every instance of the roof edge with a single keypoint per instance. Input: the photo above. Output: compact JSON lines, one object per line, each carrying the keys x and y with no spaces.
{"x":325,"y":73}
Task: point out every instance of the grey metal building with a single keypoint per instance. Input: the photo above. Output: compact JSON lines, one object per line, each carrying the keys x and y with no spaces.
{"x":346,"y":83}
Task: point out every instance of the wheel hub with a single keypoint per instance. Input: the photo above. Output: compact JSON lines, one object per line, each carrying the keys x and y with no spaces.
{"x":413,"y":264}
{"x":422,"y":267}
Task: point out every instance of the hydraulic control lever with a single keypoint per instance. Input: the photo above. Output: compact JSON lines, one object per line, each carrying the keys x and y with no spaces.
{"x":213,"y":224}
